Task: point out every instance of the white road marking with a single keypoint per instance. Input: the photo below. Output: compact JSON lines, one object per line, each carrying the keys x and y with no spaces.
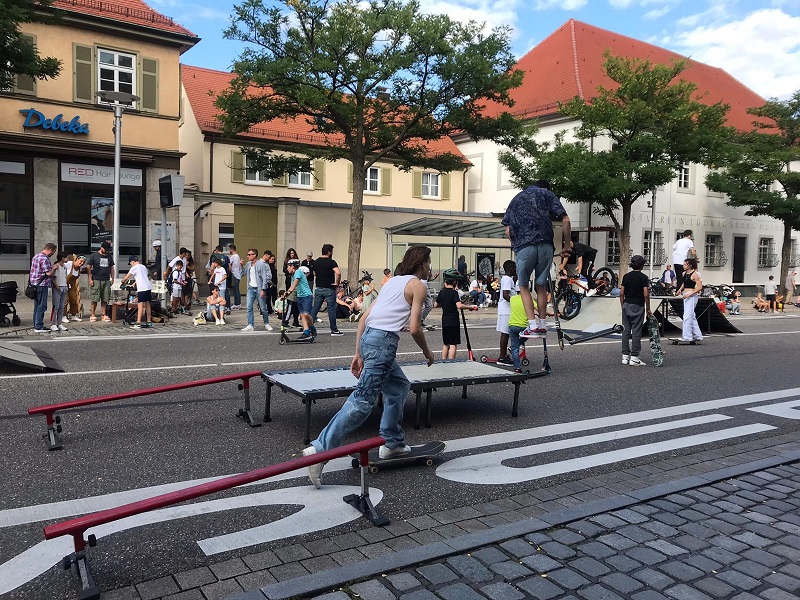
{"x":787,"y":410}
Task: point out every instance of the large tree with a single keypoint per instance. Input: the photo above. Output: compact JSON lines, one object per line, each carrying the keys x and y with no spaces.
{"x":18,"y":55}
{"x":652,"y":121}
{"x":378,"y":79}
{"x":755,"y":160}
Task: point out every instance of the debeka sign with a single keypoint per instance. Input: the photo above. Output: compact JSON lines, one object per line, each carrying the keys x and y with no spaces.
{"x":34,"y":119}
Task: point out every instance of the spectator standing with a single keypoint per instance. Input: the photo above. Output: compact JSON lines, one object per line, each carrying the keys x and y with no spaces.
{"x":259,"y":283}
{"x":462,"y":266}
{"x":448,"y":299}
{"x":59,"y":278}
{"x":308,"y":263}
{"x":271,"y":261}
{"x":691,"y":284}
{"x":681,"y":250}
{"x":771,"y":292}
{"x":178,"y":277}
{"x":634,"y":298}
{"x":291,"y":254}
{"x":74,"y":288}
{"x":100,"y":268}
{"x":156,"y":260}
{"x":328,"y":278}
{"x":528,"y":226}
{"x":507,"y":289}
{"x":236,"y":276}
{"x":144,"y":294}
{"x":369,"y":291}
{"x":190,"y":290}
{"x":789,"y":284}
{"x":219,"y":275}
{"x":183,"y":254}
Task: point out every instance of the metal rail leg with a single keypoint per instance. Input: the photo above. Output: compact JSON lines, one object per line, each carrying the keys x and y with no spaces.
{"x":516,"y":399}
{"x":267,"y":403}
{"x":418,"y":412}
{"x":428,"y":394}
{"x":245,"y":414}
{"x":53,"y":430}
{"x":463,"y":392}
{"x":307,"y":439}
{"x":362,"y":503}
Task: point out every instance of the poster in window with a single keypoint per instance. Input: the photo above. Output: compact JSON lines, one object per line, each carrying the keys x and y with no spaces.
{"x":101,"y":222}
{"x":485,"y":263}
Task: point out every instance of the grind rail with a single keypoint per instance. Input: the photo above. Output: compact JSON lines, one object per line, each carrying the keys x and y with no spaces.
{"x":78,"y":564}
{"x":54,"y":427}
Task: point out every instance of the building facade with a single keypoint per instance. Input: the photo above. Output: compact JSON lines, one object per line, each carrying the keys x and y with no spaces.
{"x":57,"y":138}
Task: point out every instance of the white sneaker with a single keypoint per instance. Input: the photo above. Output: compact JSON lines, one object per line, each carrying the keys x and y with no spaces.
{"x":222,"y":321}
{"x":248,"y":328}
{"x":384,"y":452}
{"x":626,"y":359}
{"x":218,"y":322}
{"x":267,"y":326}
{"x":637,"y":362}
{"x":64,"y":319}
{"x":53,"y":327}
{"x":77,"y":319}
{"x":40,"y":331}
{"x":314,"y":471}
{"x":591,"y":293}
{"x":62,"y":328}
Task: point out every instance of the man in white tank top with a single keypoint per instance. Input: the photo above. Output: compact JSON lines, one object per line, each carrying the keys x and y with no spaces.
{"x":401,"y":299}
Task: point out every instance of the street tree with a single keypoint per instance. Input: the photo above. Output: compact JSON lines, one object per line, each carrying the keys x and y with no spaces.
{"x":18,"y":54}
{"x":653,"y":123}
{"x":755,"y":160}
{"x":377,"y":80}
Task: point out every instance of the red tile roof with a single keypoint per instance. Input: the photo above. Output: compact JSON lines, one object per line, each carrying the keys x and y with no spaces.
{"x":569,"y":63}
{"x":134,"y":12}
{"x":198,"y":82}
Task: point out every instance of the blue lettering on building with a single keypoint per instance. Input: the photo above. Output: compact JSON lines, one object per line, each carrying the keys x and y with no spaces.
{"x":34,"y":119}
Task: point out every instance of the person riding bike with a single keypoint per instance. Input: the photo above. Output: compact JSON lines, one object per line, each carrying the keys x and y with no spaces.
{"x":584,"y":257}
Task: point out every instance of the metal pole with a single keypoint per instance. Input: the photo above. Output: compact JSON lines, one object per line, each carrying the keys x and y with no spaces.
{"x":652,"y":233}
{"x":163,"y":265}
{"x":117,"y":173}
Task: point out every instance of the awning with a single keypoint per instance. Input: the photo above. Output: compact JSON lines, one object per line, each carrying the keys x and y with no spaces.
{"x":450,"y":228}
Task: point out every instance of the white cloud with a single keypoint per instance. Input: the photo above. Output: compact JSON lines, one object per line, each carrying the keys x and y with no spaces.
{"x":656,"y":13}
{"x":621,"y":3}
{"x":762,"y":50}
{"x":561,"y":4}
{"x":493,"y":13}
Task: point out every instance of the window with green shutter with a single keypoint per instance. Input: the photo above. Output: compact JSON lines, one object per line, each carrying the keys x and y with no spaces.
{"x":319,"y":175}
{"x":25,"y":84}
{"x":149,"y":89}
{"x":82,"y":84}
{"x":237,"y":167}
{"x":386,"y":181}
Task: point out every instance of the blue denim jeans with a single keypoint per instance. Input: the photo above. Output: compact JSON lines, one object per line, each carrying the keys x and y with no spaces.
{"x":253,"y":295}
{"x":480,"y":296}
{"x":322,"y":294}
{"x":234,"y":287}
{"x":40,"y":306}
{"x":59,"y":300}
{"x":381,"y":373}
{"x":514,"y":341}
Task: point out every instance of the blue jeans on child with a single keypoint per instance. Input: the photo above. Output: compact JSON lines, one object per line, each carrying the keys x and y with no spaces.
{"x":513,"y":339}
{"x":381,"y":373}
{"x":254,"y":294}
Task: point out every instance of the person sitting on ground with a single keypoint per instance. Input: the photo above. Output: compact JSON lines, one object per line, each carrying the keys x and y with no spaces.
{"x":476,"y":293}
{"x":734,"y":304}
{"x":215,"y":306}
{"x":344,"y":305}
{"x":779,"y":302}
{"x":143,"y":290}
{"x":760,"y":304}
{"x":668,"y":278}
{"x":280,"y":304}
{"x":358,"y":306}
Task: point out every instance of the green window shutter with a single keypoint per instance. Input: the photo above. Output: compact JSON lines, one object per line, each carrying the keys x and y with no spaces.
{"x":319,"y":175}
{"x":25,"y":84}
{"x":281,"y":181}
{"x":416,"y":184}
{"x":149,"y":89}
{"x":444,"y":186}
{"x":83,"y":77}
{"x":349,"y":178}
{"x":237,"y":167}
{"x":386,"y":181}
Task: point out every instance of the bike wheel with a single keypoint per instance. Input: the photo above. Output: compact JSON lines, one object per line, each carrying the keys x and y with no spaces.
{"x":605,"y":280}
{"x":568,"y":305}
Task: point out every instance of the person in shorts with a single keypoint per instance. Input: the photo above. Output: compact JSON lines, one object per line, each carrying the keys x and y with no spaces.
{"x":215,"y":306}
{"x":178,"y":283}
{"x":448,"y":300}
{"x":304,"y":296}
{"x":144,"y":292}
{"x":100,"y":268}
{"x":527,"y":220}
{"x":507,"y":289}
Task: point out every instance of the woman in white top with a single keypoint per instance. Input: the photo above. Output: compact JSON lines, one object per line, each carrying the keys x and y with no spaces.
{"x":74,"y":308}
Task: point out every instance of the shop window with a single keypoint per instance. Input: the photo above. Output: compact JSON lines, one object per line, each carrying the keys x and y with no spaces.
{"x":612,"y":248}
{"x":767,"y":257}
{"x":16,"y":216}
{"x":225,"y":235}
{"x":714,"y":252}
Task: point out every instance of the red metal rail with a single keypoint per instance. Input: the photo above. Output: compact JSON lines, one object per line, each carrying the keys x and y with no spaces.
{"x":77,"y":527}
{"x":49,"y":410}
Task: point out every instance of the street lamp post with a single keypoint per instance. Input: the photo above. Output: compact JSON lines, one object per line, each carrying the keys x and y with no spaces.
{"x":119,"y":99}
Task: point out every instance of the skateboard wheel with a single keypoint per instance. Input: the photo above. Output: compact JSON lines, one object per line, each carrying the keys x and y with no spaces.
{"x":525,"y":362}
{"x":484,"y":358}
{"x":373,"y":469}
{"x":281,"y":341}
{"x":429,"y":462}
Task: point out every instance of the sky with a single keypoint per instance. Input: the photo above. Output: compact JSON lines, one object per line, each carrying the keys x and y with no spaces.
{"x":756,"y":41}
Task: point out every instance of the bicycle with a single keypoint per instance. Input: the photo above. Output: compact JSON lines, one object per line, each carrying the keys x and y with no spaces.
{"x":569,"y":300}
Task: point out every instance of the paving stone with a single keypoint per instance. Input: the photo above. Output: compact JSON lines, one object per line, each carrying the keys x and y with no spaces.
{"x":791,"y":569}
{"x":333,"y":596}
{"x":490,"y":555}
{"x":502,"y":591}
{"x":541,"y":563}
{"x":714,"y":587}
{"x":589,"y":566}
{"x":790,"y":584}
{"x":412,"y":525}
{"x":684,"y":592}
{"x":608,"y":521}
{"x":752,"y":568}
{"x":791,"y":554}
{"x":727,"y":543}
{"x":766,"y":531}
{"x":616,"y":541}
{"x":540,"y":588}
{"x":459,"y":591}
{"x":518,"y":548}
{"x":256,"y":579}
{"x":156,"y":588}
{"x":653,"y":578}
{"x":648,"y":595}
{"x":262,"y":560}
{"x":293,"y":553}
{"x":456,"y":514}
{"x":346,"y":541}
{"x":622,"y":563}
{"x":621,"y":582}
{"x":698,"y":530}
{"x":374,"y":534}
{"x":289,"y":571}
{"x":402,"y":543}
{"x":470,"y":568}
{"x":753,"y":539}
{"x":538,"y":538}
{"x":777,"y":594}
{"x":631,"y":516}
{"x":449,"y":531}
{"x":418,"y":595}
{"x":636,"y":533}
{"x":568,"y":578}
{"x":194,"y":594}
{"x":221,"y":589}
{"x":660,"y":529}
{"x":126,"y":593}
{"x":738,"y":580}
{"x":316,"y":564}
{"x":471,"y":525}
{"x":372,"y":590}
{"x":568,"y":537}
{"x":666,"y":547}
{"x":347,"y":557}
{"x":689,"y":542}
{"x":586,"y":528}
{"x":428,"y":536}
{"x":676,"y":520}
{"x":680,"y":570}
{"x":645,"y":555}
{"x":703,"y":563}
{"x":558,"y":550}
{"x":596,"y":550}
{"x":403,"y":581}
{"x":437,"y":573}
{"x":726,"y":557}
{"x":510,"y":570}
{"x":194,"y":578}
{"x":230,"y":568}
{"x":375,"y":550}
{"x":598,"y":592}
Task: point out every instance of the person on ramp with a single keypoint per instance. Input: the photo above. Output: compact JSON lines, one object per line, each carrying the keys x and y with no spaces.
{"x":401,"y":299}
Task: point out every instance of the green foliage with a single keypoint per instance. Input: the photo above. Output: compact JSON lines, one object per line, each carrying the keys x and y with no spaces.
{"x":17,"y":55}
{"x":631,"y":139}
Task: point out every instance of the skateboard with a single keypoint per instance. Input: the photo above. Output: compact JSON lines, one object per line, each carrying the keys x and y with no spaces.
{"x":423,"y":453}
{"x":655,"y":342}
{"x":680,"y":342}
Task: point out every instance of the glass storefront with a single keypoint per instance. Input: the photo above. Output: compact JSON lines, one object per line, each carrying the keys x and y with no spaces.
{"x":16,"y":215}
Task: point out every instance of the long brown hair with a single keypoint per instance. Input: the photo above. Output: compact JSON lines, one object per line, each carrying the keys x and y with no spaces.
{"x":415,"y":257}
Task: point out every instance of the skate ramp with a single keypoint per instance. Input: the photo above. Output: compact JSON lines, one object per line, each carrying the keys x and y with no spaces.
{"x":597,"y":313}
{"x":709,"y":317}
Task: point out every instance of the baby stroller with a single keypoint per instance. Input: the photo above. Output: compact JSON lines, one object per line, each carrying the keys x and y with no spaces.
{"x":8,"y":295}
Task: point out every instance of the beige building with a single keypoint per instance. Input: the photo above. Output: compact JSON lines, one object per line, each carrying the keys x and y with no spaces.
{"x":236,"y":204}
{"x":57,"y":140}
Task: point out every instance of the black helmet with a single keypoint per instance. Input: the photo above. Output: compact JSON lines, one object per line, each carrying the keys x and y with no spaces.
{"x":451,"y":275}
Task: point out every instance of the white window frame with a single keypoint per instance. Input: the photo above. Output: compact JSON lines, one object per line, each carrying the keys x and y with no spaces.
{"x":373,"y":174}
{"x":766,"y":247}
{"x":296,"y":180}
{"x":713,"y":250}
{"x":613,"y":248}
{"x":659,"y":246}
{"x":117,"y":70}
{"x":226,"y":237}
{"x":685,"y":180}
{"x":253,"y":177}
{"x":431,"y":185}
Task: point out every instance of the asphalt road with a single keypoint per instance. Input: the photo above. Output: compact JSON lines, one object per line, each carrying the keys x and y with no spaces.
{"x":583,"y":415}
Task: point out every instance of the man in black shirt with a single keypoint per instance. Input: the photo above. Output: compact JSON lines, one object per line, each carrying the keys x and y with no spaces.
{"x":634,"y":296}
{"x":328,"y":276}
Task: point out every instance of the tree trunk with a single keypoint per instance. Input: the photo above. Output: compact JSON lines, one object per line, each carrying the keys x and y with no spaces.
{"x":625,"y":241}
{"x":356,"y":223}
{"x":786,"y":256}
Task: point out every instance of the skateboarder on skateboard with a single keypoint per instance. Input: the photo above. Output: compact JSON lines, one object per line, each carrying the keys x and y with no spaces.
{"x":634,"y":297}
{"x":401,"y":300}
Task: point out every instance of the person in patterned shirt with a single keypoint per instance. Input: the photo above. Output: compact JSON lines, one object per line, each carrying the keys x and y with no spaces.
{"x":40,"y":277}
